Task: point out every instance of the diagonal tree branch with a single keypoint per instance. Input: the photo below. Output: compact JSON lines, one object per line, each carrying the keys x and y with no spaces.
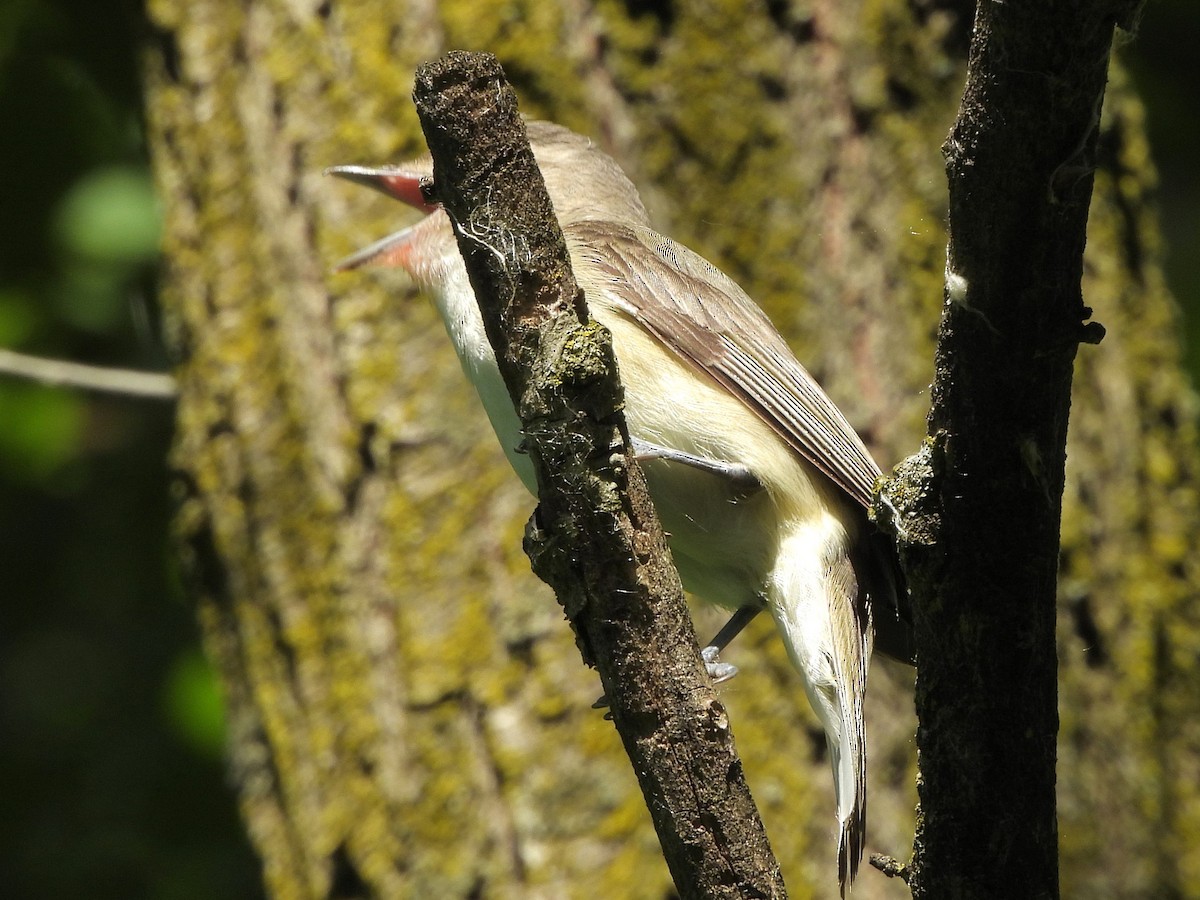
{"x":594,"y":538}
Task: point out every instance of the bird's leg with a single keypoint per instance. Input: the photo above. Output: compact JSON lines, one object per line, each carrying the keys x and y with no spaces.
{"x":723,"y":671}
{"x":744,"y":480}
{"x":741,"y":617}
{"x":718,"y":671}
{"x":739,"y":476}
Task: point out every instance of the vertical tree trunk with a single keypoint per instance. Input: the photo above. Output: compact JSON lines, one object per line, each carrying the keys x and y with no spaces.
{"x":409,"y":715}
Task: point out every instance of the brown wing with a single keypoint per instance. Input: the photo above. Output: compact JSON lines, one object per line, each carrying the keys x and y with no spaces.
{"x":697,"y":311}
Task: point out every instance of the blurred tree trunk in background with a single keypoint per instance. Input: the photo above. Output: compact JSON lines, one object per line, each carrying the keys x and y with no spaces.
{"x":409,"y":715}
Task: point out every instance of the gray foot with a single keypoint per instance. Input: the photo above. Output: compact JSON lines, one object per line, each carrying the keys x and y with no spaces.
{"x":718,"y":671}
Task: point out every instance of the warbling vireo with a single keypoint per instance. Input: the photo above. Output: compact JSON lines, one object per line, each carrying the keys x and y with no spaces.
{"x":761,"y":484}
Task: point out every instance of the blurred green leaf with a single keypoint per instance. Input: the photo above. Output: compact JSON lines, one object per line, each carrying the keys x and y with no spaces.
{"x":107,"y":226}
{"x":111,"y":215}
{"x":40,"y":430}
{"x":194,"y":706}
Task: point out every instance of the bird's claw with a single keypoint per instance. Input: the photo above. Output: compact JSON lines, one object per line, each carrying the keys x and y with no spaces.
{"x":718,"y":671}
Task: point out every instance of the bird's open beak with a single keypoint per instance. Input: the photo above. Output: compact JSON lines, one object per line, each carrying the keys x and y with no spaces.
{"x":399,"y":183}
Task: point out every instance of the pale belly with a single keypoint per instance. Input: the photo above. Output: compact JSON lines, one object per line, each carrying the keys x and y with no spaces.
{"x":722,"y":540}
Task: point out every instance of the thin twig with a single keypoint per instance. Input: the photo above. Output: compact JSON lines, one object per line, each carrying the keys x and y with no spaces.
{"x":130,"y":382}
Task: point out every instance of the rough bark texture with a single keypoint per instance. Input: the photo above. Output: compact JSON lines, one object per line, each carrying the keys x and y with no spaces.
{"x":409,"y":712}
{"x":984,"y":562}
{"x":595,"y":538}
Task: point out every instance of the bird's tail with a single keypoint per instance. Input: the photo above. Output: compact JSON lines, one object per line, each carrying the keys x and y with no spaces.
{"x":825,"y":619}
{"x":850,"y":654}
{"x":850,"y":782}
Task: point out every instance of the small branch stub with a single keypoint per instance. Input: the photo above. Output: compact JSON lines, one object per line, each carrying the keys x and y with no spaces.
{"x":890,"y":866}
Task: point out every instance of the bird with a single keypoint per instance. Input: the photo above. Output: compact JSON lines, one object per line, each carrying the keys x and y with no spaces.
{"x":761,"y":483}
